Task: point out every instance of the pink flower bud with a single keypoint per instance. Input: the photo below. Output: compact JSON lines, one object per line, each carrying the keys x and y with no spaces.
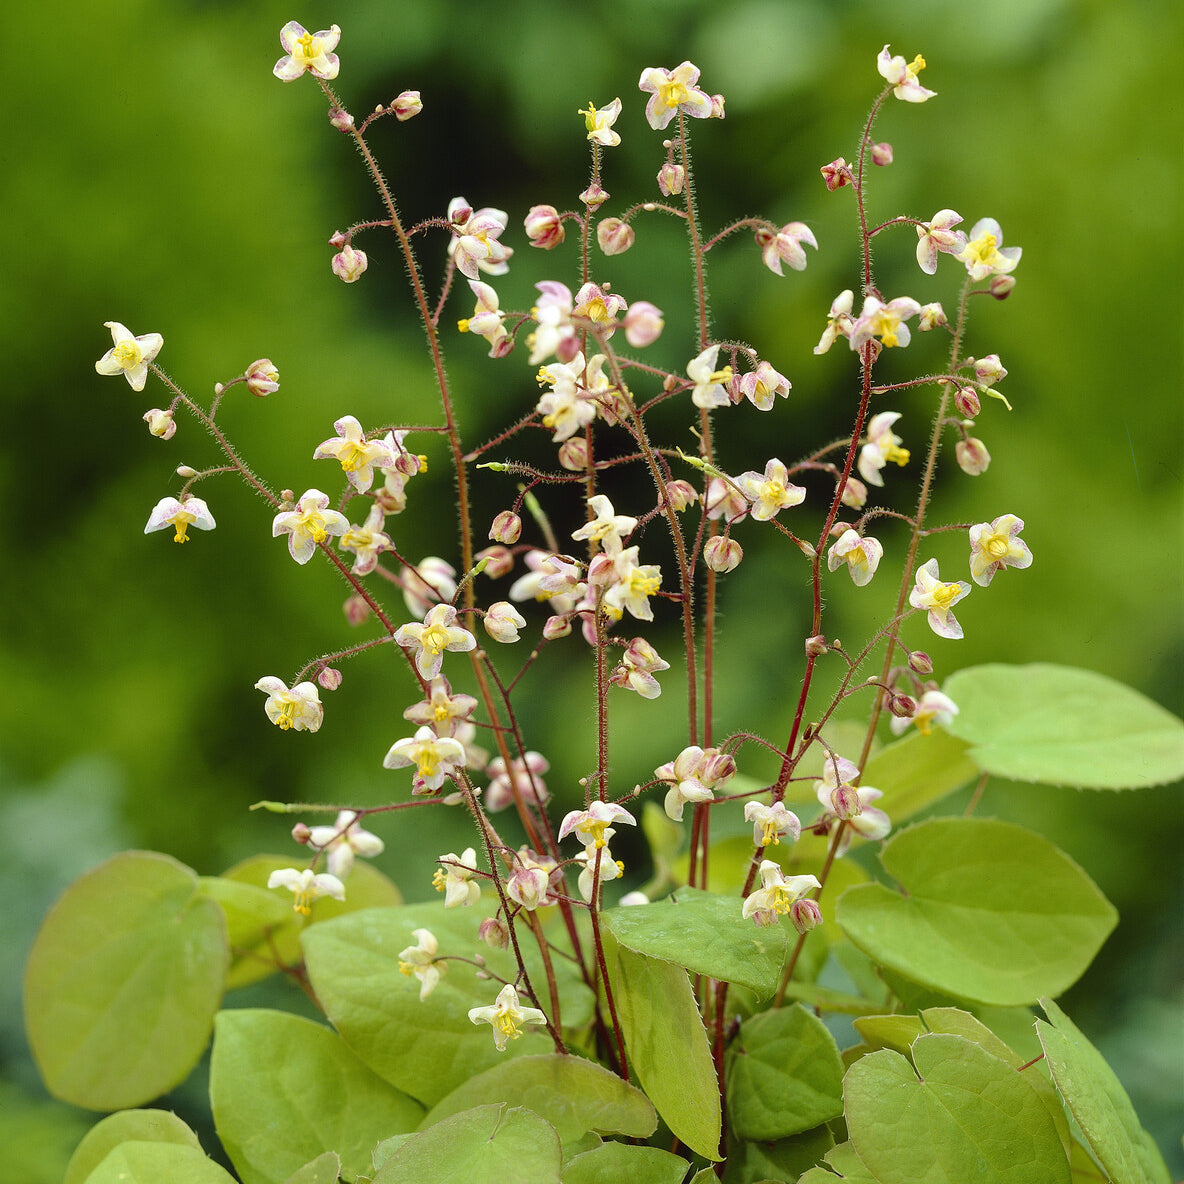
{"x":501,"y":562}
{"x":356,"y":610}
{"x":614,"y":236}
{"x":836,"y":174}
{"x":594,"y":196}
{"x":349,"y":264}
{"x":972,"y":456}
{"x":722,"y":554}
{"x":1001,"y":285}
{"x":844,"y":800}
{"x":816,"y":646}
{"x":854,"y":494}
{"x":989,"y":370}
{"x":343,"y":121}
{"x":920,"y":663}
{"x":262,"y":378}
{"x":337,"y":239}
{"x":556,"y":627}
{"x":493,"y":932}
{"x":302,"y":832}
{"x":671,"y":178}
{"x":502,"y":622}
{"x":932,"y":316}
{"x":573,"y":454}
{"x":717,"y":107}
{"x":882,"y":154}
{"x":186,"y":471}
{"x":643,"y":324}
{"x":544,"y":227}
{"x":805,"y":914}
{"x":506,"y":528}
{"x":681,"y":494}
{"x":902,"y":706}
{"x":160,"y":423}
{"x":407,"y":105}
{"x":330,"y":678}
{"x":967,"y":401}
{"x":717,"y":767}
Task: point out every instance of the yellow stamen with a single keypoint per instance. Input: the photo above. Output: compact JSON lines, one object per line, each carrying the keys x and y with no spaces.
{"x":180,"y":522}
{"x":895,"y":453}
{"x":916,"y":65}
{"x":128,"y":355}
{"x":439,"y":879}
{"x":770,"y":835}
{"x":435,"y":639}
{"x":672,"y":93}
{"x":303,"y":903}
{"x":944,"y":595}
{"x":463,"y":324}
{"x":504,"y":1022}
{"x":996,"y":546}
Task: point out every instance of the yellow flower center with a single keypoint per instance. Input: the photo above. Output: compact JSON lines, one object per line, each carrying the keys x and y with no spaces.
{"x":128,"y":354}
{"x":287,"y":715}
{"x":982,"y":249}
{"x":308,"y":49}
{"x":724,"y":375}
{"x":439,"y":879}
{"x":996,"y":546}
{"x":463,"y":324}
{"x":180,"y":523}
{"x":886,"y":325}
{"x":314,"y":525}
{"x":773,"y":491}
{"x":943,"y":595}
{"x":672,"y":93}
{"x":597,"y":311}
{"x":303,"y":903}
{"x":596,"y":830}
{"x":769,"y":835}
{"x":916,"y":65}
{"x":643,"y":585}
{"x":893,"y":452}
{"x":440,"y":713}
{"x":435,"y":639}
{"x":427,"y":762}
{"x":780,"y":898}
{"x":504,"y":1022}
{"x":589,"y":116}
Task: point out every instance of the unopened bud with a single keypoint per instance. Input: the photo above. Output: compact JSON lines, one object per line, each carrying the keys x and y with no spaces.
{"x":594,"y":196}
{"x":882,"y":153}
{"x":972,"y":456}
{"x":329,"y":678}
{"x":967,"y":401}
{"x":1001,"y":285}
{"x":643,"y":324}
{"x":302,"y":832}
{"x":671,"y":179}
{"x":722,"y":554}
{"x":493,"y":933}
{"x":343,"y":121}
{"x":717,"y":107}
{"x":717,"y":766}
{"x":902,"y":706}
{"x":337,"y":239}
{"x":499,"y":561}
{"x":356,"y":610}
{"x":573,"y":454}
{"x":844,"y":800}
{"x":186,"y":471}
{"x":805,"y":914}
{"x":506,"y":528}
{"x":556,"y":627}
{"x":816,"y":646}
{"x":920,"y":663}
{"x":160,"y":423}
{"x":614,"y":236}
{"x":544,"y":227}
{"x":348,"y":265}
{"x":262,"y":378}
{"x":407,"y":105}
{"x":681,"y":494}
{"x":836,"y":174}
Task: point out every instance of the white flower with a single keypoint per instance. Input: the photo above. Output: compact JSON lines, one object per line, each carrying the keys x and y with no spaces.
{"x":180,"y":516}
{"x":770,"y":492}
{"x":427,"y":642}
{"x":709,"y":382}
{"x":342,"y":841}
{"x":307,"y":886}
{"x":129,"y":355}
{"x":771,"y":823}
{"x":297,"y":710}
{"x":358,"y":456}
{"x":777,"y":894}
{"x":434,"y":757}
{"x":862,"y":556}
{"x":312,"y":522}
{"x":591,"y":825}
{"x":455,"y":878}
{"x":420,"y":960}
{"x":932,"y":708}
{"x":308,"y":51}
{"x":506,"y":1016}
{"x":939,"y":599}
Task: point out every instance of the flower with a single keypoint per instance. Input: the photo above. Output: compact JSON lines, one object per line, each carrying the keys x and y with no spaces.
{"x":762,"y":385}
{"x":502,"y":621}
{"x":442,"y":711}
{"x":596,"y":303}
{"x":297,"y":710}
{"x":358,"y":456}
{"x":427,"y":642}
{"x":994,"y":546}
{"x":936,"y":236}
{"x":887,"y":322}
{"x":607,"y":527}
{"x":308,"y":51}
{"x":785,"y":246}
{"x":982,"y":254}
{"x":552,"y":312}
{"x":366,"y":541}
{"x":629,"y":584}
{"x":129,"y":355}
{"x":420,"y":960}
{"x":455,"y":879}
{"x":591,"y":825}
{"x":544,"y":228}
{"x":524,"y":781}
{"x":407,"y":105}
{"x":434,"y":757}
{"x":598,"y":865}
{"x":903,"y":76}
{"x":643,"y":324}
{"x":262,"y":378}
{"x":432,"y":581}
{"x":475,"y":242}
{"x":777,"y":894}
{"x":180,"y":516}
{"x":599,"y":122}
{"x":349,"y":264}
{"x":770,"y":823}
{"x":671,"y":91}
{"x":862,"y":556}
{"x":883,"y":445}
{"x":860,"y":815}
{"x":930,"y":593}
{"x":312,"y":522}
{"x":342,"y":841}
{"x":694,"y":776}
{"x":837,"y":174}
{"x":614,"y":236}
{"x":533,"y":881}
{"x":160,"y":423}
{"x":709,"y":382}
{"x":637,"y":668}
{"x":506,"y":1016}
{"x":487,"y":320}
{"x":771,"y":492}
{"x":307,"y":886}
{"x":722,"y":554}
{"x":972,"y":456}
{"x":932,"y":708}
{"x":839,"y":322}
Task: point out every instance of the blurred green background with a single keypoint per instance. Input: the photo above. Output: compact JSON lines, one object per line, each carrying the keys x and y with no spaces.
{"x":157,"y":174}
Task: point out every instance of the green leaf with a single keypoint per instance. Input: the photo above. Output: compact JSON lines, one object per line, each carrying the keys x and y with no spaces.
{"x":988,"y":911}
{"x":611,"y":1163}
{"x":325,"y":1169}
{"x":252,"y":913}
{"x":365,"y":887}
{"x":1061,"y":726}
{"x":785,"y":1159}
{"x":572,"y":1094}
{"x":918,"y":770}
{"x":784,"y":1075}
{"x":488,"y":1145}
{"x":844,"y":1163}
{"x":427,"y":1049}
{"x":150,"y":1163}
{"x":140,"y":1126}
{"x":959,"y":1115}
{"x":667,"y":1045}
{"x":706,"y":933}
{"x":1099,"y":1103}
{"x":285,"y":1090}
{"x":123,"y":982}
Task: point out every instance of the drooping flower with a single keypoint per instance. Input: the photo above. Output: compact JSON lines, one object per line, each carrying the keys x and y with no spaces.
{"x":160,"y":423}
{"x":349,"y":264}
{"x":420,"y":960}
{"x":770,"y":492}
{"x":434,"y":757}
{"x":523,"y":780}
{"x":308,"y":51}
{"x":475,"y":242}
{"x":442,"y":711}
{"x":506,"y":1016}
{"x":762,"y":385}
{"x":862,"y":556}
{"x":839,"y":321}
{"x":607,"y":528}
{"x":710,"y":383}
{"x":772,"y":823}
{"x":996,"y":545}
{"x":939,"y":599}
{"x":671,"y":91}
{"x":939,"y":235}
{"x":591,"y":825}
{"x":636,"y":670}
{"x":887,"y":323}
{"x":535,"y":880}
{"x":428,"y":641}
{"x":262,"y":378}
{"x":367,"y":541}
{"x":597,"y":866}
{"x":129,"y":355}
{"x":502,"y":622}
{"x":643,"y":324}
{"x":454,"y":877}
{"x":902,"y":76}
{"x":433,"y":581}
{"x":785,"y":246}
{"x":984,"y":256}
{"x":694,"y":776}
{"x":342,"y":841}
{"x":544,"y":227}
{"x":883,"y":446}
{"x":358,"y":456}
{"x":487,"y":320}
{"x":555,"y":333}
{"x":777,"y":894}
{"x":307,"y":886}
{"x":312,"y":522}
{"x":297,"y":710}
{"x":180,"y":516}
{"x":599,"y":122}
